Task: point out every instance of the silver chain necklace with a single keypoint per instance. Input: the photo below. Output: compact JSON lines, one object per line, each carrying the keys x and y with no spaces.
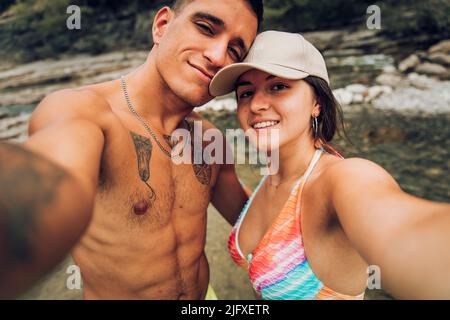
{"x":146,"y":126}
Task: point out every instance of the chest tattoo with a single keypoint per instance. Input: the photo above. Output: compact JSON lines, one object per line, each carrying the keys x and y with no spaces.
{"x":144,"y":148}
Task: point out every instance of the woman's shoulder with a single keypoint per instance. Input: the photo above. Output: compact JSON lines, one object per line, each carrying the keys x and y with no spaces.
{"x":354,"y":165}
{"x":355,"y":171}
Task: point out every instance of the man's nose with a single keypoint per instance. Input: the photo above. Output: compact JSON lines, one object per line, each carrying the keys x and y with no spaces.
{"x":216,"y":54}
{"x":260,"y":102}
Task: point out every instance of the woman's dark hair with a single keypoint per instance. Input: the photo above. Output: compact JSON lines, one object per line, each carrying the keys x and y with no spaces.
{"x":331,"y":118}
{"x":257,"y":7}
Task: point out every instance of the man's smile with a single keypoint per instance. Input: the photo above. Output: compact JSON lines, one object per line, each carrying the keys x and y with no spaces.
{"x":202,"y":73}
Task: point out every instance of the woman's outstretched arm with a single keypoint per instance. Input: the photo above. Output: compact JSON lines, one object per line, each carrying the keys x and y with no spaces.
{"x":407,"y":237}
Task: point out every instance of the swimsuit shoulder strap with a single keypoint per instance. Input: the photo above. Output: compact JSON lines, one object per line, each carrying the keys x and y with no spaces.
{"x":313,"y":163}
{"x":310,"y":168}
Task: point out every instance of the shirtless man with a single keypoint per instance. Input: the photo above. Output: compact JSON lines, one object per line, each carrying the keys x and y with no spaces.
{"x":146,"y":237}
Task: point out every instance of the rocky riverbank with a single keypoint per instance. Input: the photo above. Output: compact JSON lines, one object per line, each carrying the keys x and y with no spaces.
{"x":23,"y":86}
{"x":418,"y":83}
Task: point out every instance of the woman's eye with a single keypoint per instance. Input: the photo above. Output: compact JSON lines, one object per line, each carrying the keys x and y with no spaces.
{"x":245,"y":94}
{"x":279,"y":87}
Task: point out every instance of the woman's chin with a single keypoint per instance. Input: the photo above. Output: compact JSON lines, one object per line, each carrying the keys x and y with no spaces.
{"x":264,"y":140}
{"x":264,"y":147}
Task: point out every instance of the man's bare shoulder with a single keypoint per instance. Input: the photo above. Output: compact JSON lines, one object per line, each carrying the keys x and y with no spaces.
{"x":81,"y":103}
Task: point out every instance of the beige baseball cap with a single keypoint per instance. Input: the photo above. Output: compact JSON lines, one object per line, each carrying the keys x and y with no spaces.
{"x":285,"y":55}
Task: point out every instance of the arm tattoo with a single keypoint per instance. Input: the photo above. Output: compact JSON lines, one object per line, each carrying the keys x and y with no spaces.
{"x":172,"y":142}
{"x":28,"y":184}
{"x":144,"y":148}
{"x":203,"y":173}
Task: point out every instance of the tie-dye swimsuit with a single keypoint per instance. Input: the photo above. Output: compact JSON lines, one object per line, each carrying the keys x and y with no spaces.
{"x":278,"y":267}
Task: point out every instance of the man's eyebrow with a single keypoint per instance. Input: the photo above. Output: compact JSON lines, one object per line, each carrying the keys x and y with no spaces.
{"x":220,"y":23}
{"x":213,"y":19}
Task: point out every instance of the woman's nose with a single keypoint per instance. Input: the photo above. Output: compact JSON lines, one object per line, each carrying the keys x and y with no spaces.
{"x":260,"y":102}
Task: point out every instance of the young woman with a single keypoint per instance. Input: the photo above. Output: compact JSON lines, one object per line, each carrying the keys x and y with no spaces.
{"x":313,"y":227}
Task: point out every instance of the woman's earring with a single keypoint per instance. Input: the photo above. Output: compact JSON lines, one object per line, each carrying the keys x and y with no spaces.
{"x":315,"y":126}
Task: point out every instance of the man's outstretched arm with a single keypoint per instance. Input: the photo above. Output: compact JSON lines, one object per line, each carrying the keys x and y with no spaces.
{"x":48,"y":187}
{"x":43,"y":212}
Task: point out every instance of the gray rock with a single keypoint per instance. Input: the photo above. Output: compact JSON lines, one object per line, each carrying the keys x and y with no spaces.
{"x":343,"y":53}
{"x":390,"y":69}
{"x":3,"y":114}
{"x":421,"y":81}
{"x":433,"y":100}
{"x":343,"y":96}
{"x":440,"y":58}
{"x":16,"y":133}
{"x":376,"y":91}
{"x":364,"y":43}
{"x":391,"y":80}
{"x":324,"y":39}
{"x":358,"y":98}
{"x":443,"y":47}
{"x":15,"y":128}
{"x":360,"y":36}
{"x":432,"y":69}
{"x":356,"y":88}
{"x":422,"y":55}
{"x":409,"y":63}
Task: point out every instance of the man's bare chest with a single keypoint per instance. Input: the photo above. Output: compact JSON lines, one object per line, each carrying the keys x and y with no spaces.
{"x":136,"y":176}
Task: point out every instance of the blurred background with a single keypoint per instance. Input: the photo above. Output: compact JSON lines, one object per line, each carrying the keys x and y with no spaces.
{"x":393,"y":83}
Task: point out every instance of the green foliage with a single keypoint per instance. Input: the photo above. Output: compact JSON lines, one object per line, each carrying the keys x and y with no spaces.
{"x":416,"y":17}
{"x":4,"y":4}
{"x":36,"y":29}
{"x":312,"y":15}
{"x":47,"y":26}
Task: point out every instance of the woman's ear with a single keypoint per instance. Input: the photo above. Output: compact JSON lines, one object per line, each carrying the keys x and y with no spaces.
{"x":316,"y":108}
{"x":160,"y":23}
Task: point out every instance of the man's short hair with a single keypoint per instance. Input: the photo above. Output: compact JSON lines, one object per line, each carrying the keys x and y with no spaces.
{"x":257,"y":7}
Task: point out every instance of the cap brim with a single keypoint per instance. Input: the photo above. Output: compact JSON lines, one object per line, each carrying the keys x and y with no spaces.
{"x":224,"y":81}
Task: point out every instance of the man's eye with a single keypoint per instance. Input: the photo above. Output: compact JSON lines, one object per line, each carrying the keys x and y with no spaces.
{"x":205,"y":28}
{"x":245,"y":94}
{"x":235,"y":54}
